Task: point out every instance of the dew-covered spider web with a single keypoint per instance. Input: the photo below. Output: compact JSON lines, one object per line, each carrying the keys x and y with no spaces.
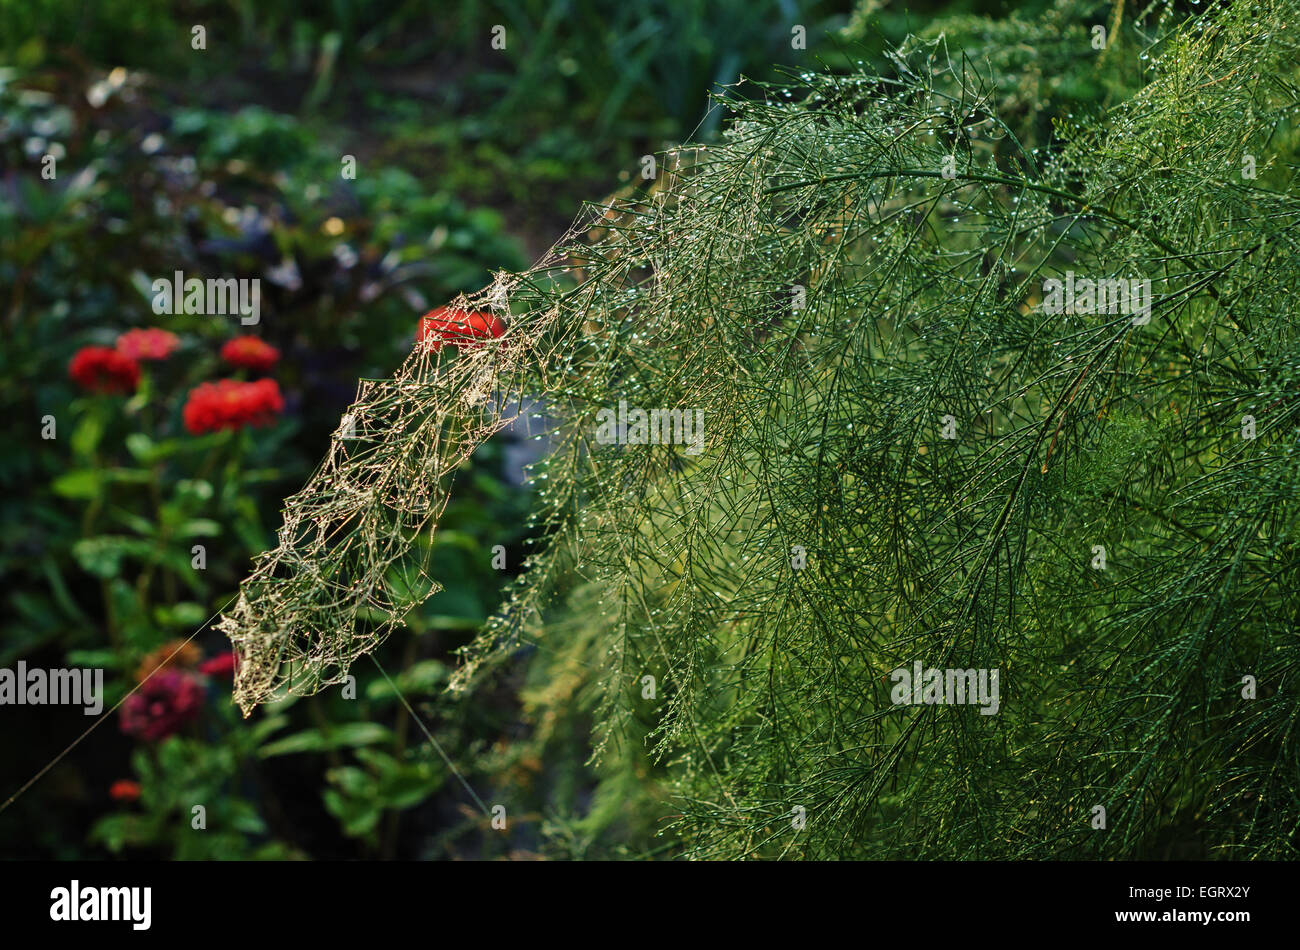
{"x":351,"y":558}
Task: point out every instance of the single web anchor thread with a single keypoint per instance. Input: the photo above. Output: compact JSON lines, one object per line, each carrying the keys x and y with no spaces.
{"x":343,"y":575}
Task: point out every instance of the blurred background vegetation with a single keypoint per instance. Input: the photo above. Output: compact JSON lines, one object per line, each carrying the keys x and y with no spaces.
{"x":226,"y":161}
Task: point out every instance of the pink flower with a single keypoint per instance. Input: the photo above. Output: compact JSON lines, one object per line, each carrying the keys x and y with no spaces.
{"x":150,"y":344}
{"x":162,"y":705}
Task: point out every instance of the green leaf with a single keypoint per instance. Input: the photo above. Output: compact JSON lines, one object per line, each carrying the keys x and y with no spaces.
{"x":140,"y":446}
{"x":86,"y":436}
{"x":191,"y":488}
{"x":102,"y":556}
{"x":352,"y":780}
{"x":321,"y":740}
{"x":199,"y":528}
{"x":185,"y":615}
{"x":84,"y":483}
{"x":310,"y":741}
{"x":116,"y":832}
{"x":357,"y":816}
{"x":423,"y":677}
{"x":107,"y":659}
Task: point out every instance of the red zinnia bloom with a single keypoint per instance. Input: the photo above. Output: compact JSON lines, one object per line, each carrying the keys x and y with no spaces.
{"x":231,"y":404}
{"x":162,"y":705}
{"x":223,"y":664}
{"x":103,"y":370}
{"x":457,"y":328}
{"x":124,"y":790}
{"x":150,"y":344}
{"x":250,"y":352}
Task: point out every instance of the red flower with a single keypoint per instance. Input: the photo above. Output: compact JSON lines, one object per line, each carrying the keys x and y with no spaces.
{"x":231,"y":404}
{"x":250,"y":352}
{"x":150,"y":344}
{"x":162,"y":705}
{"x":124,"y":790}
{"x":457,"y":328}
{"x":103,"y":370}
{"x":223,"y":664}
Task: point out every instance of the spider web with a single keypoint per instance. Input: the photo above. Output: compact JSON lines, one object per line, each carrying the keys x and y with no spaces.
{"x":347,"y":567}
